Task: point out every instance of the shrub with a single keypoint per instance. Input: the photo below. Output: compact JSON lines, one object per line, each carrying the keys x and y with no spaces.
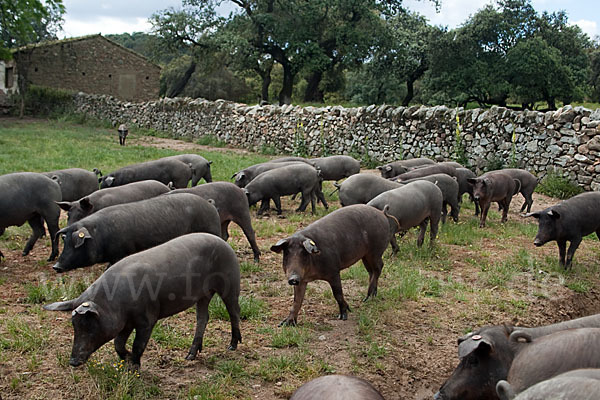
{"x":555,"y":185}
{"x":45,"y":101}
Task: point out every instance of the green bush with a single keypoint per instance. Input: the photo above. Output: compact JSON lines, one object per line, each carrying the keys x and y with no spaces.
{"x":43,"y":101}
{"x":555,"y":185}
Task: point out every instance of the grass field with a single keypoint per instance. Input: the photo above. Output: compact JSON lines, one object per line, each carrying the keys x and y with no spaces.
{"x":403,"y":341}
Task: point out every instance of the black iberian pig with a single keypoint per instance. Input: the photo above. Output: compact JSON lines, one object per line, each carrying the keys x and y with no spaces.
{"x":118,"y":231}
{"x":396,"y":168}
{"x":337,"y":387}
{"x":414,"y":204}
{"x":287,"y":180}
{"x":528,"y":183}
{"x":141,"y":289}
{"x":362,"y":188}
{"x":74,"y":183}
{"x":579,"y":384}
{"x":548,"y":356}
{"x":497,"y":187}
{"x":449,"y":187}
{"x":487,"y":354}
{"x":569,"y":220}
{"x":30,"y":197}
{"x":162,"y":170}
{"x":232,"y":204}
{"x":243,"y":177}
{"x":200,"y":166}
{"x":426,"y":170}
{"x":334,"y":168}
{"x":100,"y":199}
{"x":330,"y":244}
{"x":462,"y":174}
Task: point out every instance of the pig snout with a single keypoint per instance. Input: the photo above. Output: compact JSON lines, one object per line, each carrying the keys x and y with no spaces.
{"x":75,"y":362}
{"x":294,"y":279}
{"x":538,"y":242}
{"x":58,"y":268}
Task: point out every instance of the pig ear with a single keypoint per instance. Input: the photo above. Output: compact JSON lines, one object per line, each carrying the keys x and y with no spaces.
{"x":64,"y":205}
{"x":279,"y":246}
{"x":234,"y":175}
{"x":61,"y":232}
{"x":109,"y":180}
{"x":61,"y":305}
{"x":380,"y":167}
{"x":85,"y":308}
{"x":86,"y":204}
{"x":210,"y":162}
{"x":472,"y":343}
{"x":554,"y":214}
{"x":79,"y":237}
{"x":239,"y":176}
{"x":535,"y":215}
{"x":311,"y":246}
{"x":472,"y":181}
{"x":486,"y":181}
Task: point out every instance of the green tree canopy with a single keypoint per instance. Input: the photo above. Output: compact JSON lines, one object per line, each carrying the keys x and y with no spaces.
{"x":28,"y":21}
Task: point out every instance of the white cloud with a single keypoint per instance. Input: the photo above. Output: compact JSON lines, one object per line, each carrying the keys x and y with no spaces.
{"x":589,"y":27}
{"x":452,"y":13}
{"x":104,"y":25}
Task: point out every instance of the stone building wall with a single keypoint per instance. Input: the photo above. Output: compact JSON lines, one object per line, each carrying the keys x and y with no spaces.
{"x":91,"y":64}
{"x":566,"y":141}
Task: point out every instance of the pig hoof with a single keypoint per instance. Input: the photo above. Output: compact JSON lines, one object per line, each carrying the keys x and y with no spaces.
{"x":232,"y":347}
{"x":190,"y":357}
{"x":288,"y":322}
{"x":343,"y":316}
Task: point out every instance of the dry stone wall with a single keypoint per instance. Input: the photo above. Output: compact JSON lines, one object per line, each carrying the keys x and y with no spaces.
{"x":566,"y":141}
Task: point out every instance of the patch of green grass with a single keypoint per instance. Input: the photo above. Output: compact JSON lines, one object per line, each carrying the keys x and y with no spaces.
{"x":249,"y":268}
{"x":211,"y":140}
{"x":251,"y":308}
{"x":57,"y":289}
{"x":289,"y":336}
{"x":23,"y":337}
{"x":580,"y":285}
{"x":117,"y":381}
{"x":169,"y":337}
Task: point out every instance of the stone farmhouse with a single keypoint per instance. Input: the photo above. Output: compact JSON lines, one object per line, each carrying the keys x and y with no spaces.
{"x":91,"y":64}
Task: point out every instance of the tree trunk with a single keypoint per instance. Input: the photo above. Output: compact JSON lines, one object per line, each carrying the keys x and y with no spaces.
{"x":313,"y":93}
{"x":180,"y":85}
{"x":285,"y":95}
{"x":266,"y":82}
{"x":410,"y":92}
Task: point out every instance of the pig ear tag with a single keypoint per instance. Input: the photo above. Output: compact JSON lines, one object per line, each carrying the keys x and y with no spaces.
{"x":476,"y":337}
{"x":84,"y":308}
{"x":310,"y":246}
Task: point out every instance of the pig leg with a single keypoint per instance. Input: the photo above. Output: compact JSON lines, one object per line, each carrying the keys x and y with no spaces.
{"x":2,"y":232}
{"x":142,"y":335}
{"x":484,"y":212}
{"x":336,"y":287}
{"x":52,"y":223}
{"x":444,"y":212}
{"x":120,"y":342}
{"x":224,"y":230}
{"x":373,"y":265}
{"x":433,"y":230}
{"x":321,"y":198}
{"x":264,"y":205}
{"x":394,"y":244}
{"x":306,"y":197}
{"x":292,"y":319}
{"x":277,"y":201}
{"x":528,"y":201}
{"x":562,"y":250}
{"x":201,"y":320}
{"x":246,"y":226}
{"x":233,"y":308}
{"x":504,"y":204}
{"x":37,"y":226}
{"x":423,"y":229}
{"x":571,"y":252}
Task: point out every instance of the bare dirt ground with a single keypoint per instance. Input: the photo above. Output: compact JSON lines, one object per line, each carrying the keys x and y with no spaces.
{"x":405,"y":347}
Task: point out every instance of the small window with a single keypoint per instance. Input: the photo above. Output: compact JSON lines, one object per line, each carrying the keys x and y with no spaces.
{"x":110,"y":75}
{"x":9,"y":77}
{"x":147,"y":77}
{"x":35,"y":69}
{"x":83,"y":73}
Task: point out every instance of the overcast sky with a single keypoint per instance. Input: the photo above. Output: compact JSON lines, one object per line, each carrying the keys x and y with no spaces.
{"x":85,"y":17}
